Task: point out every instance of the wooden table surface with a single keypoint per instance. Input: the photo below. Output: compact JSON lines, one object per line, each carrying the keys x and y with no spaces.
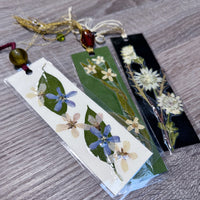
{"x":33,"y":162}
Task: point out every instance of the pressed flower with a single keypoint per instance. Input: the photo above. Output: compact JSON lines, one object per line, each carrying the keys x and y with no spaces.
{"x":103,"y":140}
{"x":108,"y":74}
{"x":170,"y":103}
{"x":62,"y":98}
{"x":128,"y":54}
{"x":90,"y":69}
{"x":147,"y":79}
{"x":39,"y":93}
{"x":95,"y":122}
{"x":98,"y":60}
{"x":124,"y":154}
{"x":134,"y":125}
{"x":71,"y":124}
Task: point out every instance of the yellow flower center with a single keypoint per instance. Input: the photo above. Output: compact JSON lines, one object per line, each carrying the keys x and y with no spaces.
{"x":135,"y":125}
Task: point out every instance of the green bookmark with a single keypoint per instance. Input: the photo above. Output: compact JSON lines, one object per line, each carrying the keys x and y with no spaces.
{"x":102,"y":82}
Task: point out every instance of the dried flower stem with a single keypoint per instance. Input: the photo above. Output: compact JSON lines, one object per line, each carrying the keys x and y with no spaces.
{"x":140,"y":90}
{"x":160,"y":118}
{"x":162,"y":85}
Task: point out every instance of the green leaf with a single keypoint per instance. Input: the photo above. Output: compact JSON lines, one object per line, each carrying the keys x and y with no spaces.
{"x":120,"y":118}
{"x":172,"y":131}
{"x":90,"y":138}
{"x":52,"y":83}
{"x":173,"y":134}
{"x":83,"y":64}
{"x":173,"y":137}
{"x":139,"y":60}
{"x":161,"y":126}
{"x":122,"y":100}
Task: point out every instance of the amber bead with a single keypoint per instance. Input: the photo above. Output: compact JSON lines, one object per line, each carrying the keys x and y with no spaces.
{"x":18,"y":57}
{"x":87,"y":38}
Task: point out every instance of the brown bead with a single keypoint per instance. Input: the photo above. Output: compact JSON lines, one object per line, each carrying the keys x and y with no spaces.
{"x":87,"y":38}
{"x":18,"y":57}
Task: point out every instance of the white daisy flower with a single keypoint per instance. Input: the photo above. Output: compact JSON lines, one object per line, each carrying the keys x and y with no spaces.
{"x":128,"y":54}
{"x":90,"y":69}
{"x":98,"y":60}
{"x":108,"y":74}
{"x":170,"y":103}
{"x":38,"y":93}
{"x":134,"y":125}
{"x":148,"y":79}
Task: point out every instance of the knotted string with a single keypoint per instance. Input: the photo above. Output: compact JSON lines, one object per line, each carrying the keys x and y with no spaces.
{"x":68,"y":24}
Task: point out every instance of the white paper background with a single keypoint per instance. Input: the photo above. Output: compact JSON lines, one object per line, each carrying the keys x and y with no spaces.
{"x":22,"y":83}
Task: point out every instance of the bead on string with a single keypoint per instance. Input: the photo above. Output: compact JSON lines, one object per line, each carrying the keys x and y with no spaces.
{"x":88,"y":35}
{"x":18,"y":57}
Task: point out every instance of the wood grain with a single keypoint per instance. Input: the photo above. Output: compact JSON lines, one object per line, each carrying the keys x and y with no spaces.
{"x":33,"y":162}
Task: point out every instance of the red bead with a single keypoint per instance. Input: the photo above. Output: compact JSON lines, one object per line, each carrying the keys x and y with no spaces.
{"x":87,"y":38}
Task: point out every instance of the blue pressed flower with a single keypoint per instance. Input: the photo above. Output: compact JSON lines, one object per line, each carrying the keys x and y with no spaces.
{"x":62,"y":98}
{"x":103,"y":140}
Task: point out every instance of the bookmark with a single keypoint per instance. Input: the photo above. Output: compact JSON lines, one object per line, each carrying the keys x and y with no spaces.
{"x":104,"y":146}
{"x":102,"y":82}
{"x":162,"y":110}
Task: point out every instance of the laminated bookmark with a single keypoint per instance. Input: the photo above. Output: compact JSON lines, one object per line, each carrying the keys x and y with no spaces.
{"x":101,"y":81}
{"x":106,"y":88}
{"x":161,"y":108}
{"x":99,"y":142}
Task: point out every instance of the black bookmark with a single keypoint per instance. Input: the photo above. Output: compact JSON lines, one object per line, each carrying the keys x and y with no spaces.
{"x":161,"y":108}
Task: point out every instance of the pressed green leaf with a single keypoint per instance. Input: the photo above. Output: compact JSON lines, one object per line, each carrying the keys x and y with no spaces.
{"x":146,"y":138}
{"x":173,"y":137}
{"x":173,"y":134}
{"x":52,"y":83}
{"x":83,"y":64}
{"x":139,"y":60}
{"x":161,"y":126}
{"x":90,"y":138}
{"x":122,"y":99}
{"x":120,"y":118}
{"x":172,"y":131}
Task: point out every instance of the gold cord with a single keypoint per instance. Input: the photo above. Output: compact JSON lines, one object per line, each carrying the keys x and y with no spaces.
{"x":67,"y":25}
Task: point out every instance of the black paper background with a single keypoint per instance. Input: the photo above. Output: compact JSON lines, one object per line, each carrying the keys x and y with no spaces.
{"x":187,"y":135}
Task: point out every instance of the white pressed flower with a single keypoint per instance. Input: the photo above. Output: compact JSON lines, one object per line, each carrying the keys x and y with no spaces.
{"x":170,"y":103}
{"x":71,"y":124}
{"x":95,"y":122}
{"x":123,"y":154}
{"x":90,"y":68}
{"x":128,"y":54}
{"x":148,"y":79}
{"x":134,"y":125}
{"x":108,"y":74}
{"x":98,"y":60}
{"x":39,"y":93}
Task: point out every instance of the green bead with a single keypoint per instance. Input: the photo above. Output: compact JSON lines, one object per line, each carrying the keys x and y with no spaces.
{"x":18,"y":57}
{"x":60,"y":37}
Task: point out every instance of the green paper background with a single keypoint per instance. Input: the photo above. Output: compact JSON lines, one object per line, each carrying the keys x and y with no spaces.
{"x":107,"y":99}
